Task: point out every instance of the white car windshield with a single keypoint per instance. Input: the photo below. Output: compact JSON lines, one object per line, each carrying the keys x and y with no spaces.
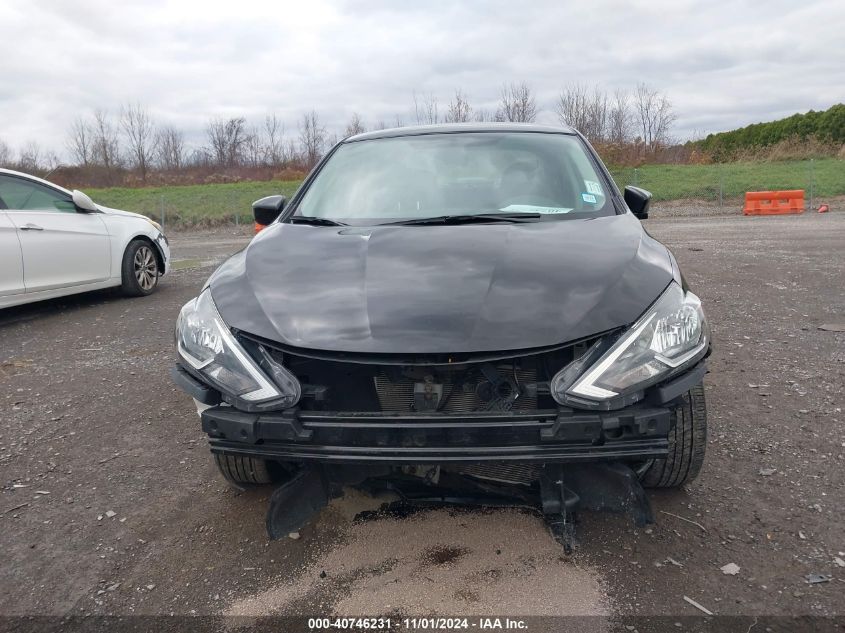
{"x":546,"y":176}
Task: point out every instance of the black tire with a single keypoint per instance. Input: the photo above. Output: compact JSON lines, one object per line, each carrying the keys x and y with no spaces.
{"x":243,"y":471}
{"x":687,"y":443}
{"x":140,"y":269}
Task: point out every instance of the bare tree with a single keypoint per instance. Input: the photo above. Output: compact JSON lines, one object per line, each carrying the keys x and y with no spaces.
{"x":517,"y":103}
{"x":227,"y":139}
{"x":80,"y":142}
{"x":31,"y":159}
{"x":482,"y":115}
{"x":170,"y":148}
{"x":597,"y":128}
{"x":50,"y":161}
{"x":105,"y":147}
{"x":255,"y":151}
{"x":274,"y":140}
{"x":654,"y":115}
{"x":425,"y":109}
{"x":572,"y":107}
{"x":6,"y":155}
{"x":312,"y":138}
{"x":584,"y":109}
{"x":291,"y":152}
{"x":355,"y":126}
{"x":619,"y":118}
{"x":460,"y":111}
{"x":199,"y":157}
{"x":140,"y":137}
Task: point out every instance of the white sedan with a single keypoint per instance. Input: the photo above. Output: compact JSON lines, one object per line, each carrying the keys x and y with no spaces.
{"x":55,"y":242}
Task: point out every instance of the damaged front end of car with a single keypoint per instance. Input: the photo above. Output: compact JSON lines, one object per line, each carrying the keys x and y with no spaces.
{"x":563,"y":425}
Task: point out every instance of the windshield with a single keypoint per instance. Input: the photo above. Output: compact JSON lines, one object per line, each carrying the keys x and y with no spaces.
{"x":549,"y":176}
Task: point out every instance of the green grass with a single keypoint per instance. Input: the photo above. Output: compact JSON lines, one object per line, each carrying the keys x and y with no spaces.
{"x":194,"y":205}
{"x":675,"y":182}
{"x":199,"y":205}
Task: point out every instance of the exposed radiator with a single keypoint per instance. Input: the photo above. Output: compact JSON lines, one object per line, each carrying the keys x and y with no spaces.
{"x":458,"y":397}
{"x":524,"y":474}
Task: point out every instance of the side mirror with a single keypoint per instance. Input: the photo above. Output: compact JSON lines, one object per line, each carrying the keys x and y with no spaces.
{"x":83,"y":203}
{"x":638,"y":201}
{"x":266,"y":210}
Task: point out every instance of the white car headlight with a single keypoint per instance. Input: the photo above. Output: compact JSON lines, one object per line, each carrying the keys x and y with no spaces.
{"x":205,"y":343}
{"x":671,"y":335}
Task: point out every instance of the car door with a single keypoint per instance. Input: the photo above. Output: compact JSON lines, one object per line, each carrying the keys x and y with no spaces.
{"x":11,"y":260}
{"x":60,"y":246}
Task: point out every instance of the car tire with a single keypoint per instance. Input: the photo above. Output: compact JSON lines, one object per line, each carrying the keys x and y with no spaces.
{"x":243,"y":472}
{"x":687,"y":442}
{"x":140,"y":269}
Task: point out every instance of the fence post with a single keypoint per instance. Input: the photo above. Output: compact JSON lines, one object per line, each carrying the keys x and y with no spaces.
{"x":636,"y":177}
{"x":237,"y":210}
{"x":812,"y":181}
{"x":721,"y":186}
{"x":161,"y":204}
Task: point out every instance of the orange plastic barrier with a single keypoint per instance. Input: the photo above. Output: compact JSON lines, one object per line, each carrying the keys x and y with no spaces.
{"x":774,"y":202}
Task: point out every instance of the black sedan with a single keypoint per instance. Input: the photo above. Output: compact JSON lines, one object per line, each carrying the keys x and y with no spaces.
{"x":477,"y":301}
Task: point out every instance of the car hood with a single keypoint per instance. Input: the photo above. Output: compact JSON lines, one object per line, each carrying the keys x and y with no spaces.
{"x":119,"y":212}
{"x":441,"y":289}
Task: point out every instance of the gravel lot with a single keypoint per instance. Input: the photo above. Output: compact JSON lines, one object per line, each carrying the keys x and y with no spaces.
{"x":110,"y":503}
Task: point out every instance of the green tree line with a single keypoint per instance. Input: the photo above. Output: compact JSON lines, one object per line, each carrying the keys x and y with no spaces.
{"x":826,"y":126}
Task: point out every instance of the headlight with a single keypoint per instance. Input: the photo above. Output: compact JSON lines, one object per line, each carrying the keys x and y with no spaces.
{"x":155,"y":224}
{"x":671,"y":335}
{"x":204,"y":342}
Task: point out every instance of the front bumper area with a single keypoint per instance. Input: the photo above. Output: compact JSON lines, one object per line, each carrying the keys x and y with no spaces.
{"x":163,"y":246}
{"x":561,"y":435}
{"x":389,"y":438}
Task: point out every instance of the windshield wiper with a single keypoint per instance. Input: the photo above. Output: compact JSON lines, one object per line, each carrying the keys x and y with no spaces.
{"x":472,"y":218}
{"x":309,"y":219}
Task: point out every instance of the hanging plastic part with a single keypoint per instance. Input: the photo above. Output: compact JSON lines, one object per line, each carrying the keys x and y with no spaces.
{"x":297,"y":501}
{"x":610,"y":487}
{"x":300,"y":499}
{"x":558,"y":505}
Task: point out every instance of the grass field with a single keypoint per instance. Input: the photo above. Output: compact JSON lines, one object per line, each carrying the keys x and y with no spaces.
{"x":194,"y":205}
{"x":191,"y":205}
{"x":676,"y":182}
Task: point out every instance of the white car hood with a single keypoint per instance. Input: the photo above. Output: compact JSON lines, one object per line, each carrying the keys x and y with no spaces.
{"x":129,"y":214}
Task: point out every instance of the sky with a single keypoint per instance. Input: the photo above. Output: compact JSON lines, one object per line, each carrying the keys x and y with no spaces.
{"x":723,"y":64}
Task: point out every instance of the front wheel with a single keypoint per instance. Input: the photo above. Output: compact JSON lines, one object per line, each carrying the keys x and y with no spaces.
{"x":243,"y":472}
{"x":140,"y":270}
{"x":687,"y":442}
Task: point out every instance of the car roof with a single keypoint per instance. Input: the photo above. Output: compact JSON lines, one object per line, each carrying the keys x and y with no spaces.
{"x":20,"y":174}
{"x":458,"y":128}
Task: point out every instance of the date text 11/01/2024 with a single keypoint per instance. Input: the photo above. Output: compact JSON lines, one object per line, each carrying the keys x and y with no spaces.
{"x":417,"y":624}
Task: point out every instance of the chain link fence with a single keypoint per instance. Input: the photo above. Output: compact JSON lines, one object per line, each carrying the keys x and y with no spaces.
{"x":205,"y":209}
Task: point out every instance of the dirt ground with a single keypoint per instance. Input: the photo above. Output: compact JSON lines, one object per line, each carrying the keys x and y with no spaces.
{"x":110,"y":503}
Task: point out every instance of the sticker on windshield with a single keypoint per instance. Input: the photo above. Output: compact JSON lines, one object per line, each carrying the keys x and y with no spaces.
{"x":593,"y":187}
{"x":588,"y":197}
{"x":531,"y":208}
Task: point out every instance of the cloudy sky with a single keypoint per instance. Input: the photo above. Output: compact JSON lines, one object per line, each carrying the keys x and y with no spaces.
{"x":723,"y":63}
